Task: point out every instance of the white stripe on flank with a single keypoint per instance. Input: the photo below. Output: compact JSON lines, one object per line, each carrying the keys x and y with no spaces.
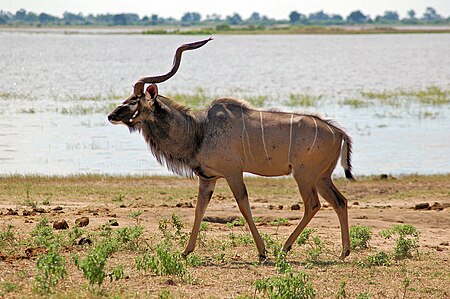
{"x":332,"y":132}
{"x":315,"y":136}
{"x":290,"y":140}
{"x":262,"y":133}
{"x":244,"y":131}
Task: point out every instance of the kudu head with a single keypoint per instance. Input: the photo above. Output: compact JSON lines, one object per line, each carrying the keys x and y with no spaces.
{"x":131,"y":111}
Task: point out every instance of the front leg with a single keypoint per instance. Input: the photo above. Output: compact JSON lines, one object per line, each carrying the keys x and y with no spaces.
{"x":239,"y":190}
{"x":205,"y":191}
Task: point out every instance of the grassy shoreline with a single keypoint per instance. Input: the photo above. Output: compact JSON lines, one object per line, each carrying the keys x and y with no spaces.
{"x":19,"y":189}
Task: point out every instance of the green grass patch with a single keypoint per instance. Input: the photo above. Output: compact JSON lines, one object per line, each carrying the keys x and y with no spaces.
{"x":290,"y":285}
{"x":360,"y":237}
{"x":406,"y":239}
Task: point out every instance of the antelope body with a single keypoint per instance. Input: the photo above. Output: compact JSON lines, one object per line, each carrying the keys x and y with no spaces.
{"x":229,"y":138}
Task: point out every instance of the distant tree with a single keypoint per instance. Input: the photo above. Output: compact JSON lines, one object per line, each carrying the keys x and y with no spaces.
{"x":235,"y":19}
{"x":388,"y":17}
{"x":294,"y":17}
{"x":357,"y":17}
{"x":213,"y":18}
{"x":46,"y":18}
{"x":391,"y":16}
{"x":104,"y":19}
{"x":254,"y":18}
{"x":124,"y":19}
{"x":319,"y":16}
{"x":191,"y":18}
{"x":336,"y":18}
{"x":154,"y":19}
{"x":120,"y":20}
{"x":70,"y":18}
{"x":411,"y":14}
{"x":430,"y":14}
{"x":21,"y":15}
{"x":90,"y":19}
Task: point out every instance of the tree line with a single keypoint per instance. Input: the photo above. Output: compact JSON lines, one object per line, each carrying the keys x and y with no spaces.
{"x":23,"y":17}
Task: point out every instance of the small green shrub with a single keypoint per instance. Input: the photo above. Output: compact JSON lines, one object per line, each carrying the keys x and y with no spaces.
{"x":93,"y":265}
{"x":240,"y":239}
{"x":9,"y":287}
{"x":363,"y":296}
{"x":165,"y":294}
{"x":194,"y":260}
{"x":281,"y":264}
{"x":304,"y":236}
{"x":379,"y":259}
{"x":7,"y":237}
{"x":135,"y":215}
{"x":30,"y":203}
{"x":50,"y":268}
{"x":315,"y":250}
{"x":289,"y":285}
{"x":341,"y":294}
{"x":202,"y":233}
{"x":166,"y":227}
{"x":163,"y":262}
{"x":128,"y":237}
{"x":43,"y":235}
{"x":72,"y":234}
{"x":119,"y":197}
{"x":237,"y":222}
{"x":360,"y":237}
{"x":406,"y":240}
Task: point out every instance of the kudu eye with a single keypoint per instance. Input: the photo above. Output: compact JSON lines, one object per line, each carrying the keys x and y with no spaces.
{"x":133,"y":101}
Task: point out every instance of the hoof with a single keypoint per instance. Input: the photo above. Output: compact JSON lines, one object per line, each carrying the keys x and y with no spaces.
{"x":287,"y":249}
{"x":262,"y":258}
{"x":184,"y":255}
{"x":345,"y":254}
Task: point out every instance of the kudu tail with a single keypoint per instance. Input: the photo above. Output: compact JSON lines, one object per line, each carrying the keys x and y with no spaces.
{"x":346,"y":155}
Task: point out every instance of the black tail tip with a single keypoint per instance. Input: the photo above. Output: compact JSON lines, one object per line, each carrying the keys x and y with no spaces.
{"x":349,"y":175}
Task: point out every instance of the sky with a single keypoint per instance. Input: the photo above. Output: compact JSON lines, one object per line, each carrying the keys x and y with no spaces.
{"x":278,"y":9}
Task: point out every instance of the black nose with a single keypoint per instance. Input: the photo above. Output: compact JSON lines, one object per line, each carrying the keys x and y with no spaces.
{"x":111,"y":116}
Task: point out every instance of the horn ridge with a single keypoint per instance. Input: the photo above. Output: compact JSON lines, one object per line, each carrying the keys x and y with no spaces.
{"x":139,"y":86}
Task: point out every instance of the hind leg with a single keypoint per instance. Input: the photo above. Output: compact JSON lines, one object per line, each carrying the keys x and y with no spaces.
{"x":339,"y":203}
{"x":307,"y":188}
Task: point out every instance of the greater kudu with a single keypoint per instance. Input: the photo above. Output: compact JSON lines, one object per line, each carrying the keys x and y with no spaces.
{"x":229,"y":138}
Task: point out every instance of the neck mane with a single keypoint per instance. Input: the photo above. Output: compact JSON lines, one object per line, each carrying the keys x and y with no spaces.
{"x":174,"y":136}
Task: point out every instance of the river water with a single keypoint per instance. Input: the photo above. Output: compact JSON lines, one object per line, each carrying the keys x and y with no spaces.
{"x":56,"y":90}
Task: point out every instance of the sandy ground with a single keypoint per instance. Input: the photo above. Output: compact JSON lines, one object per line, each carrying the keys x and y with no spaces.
{"x":375,"y":202}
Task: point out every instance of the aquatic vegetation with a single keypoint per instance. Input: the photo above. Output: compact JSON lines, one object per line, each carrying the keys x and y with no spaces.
{"x":304,"y":100}
{"x":258,"y":101}
{"x":198,"y":99}
{"x":431,"y":95}
{"x":108,"y":96}
{"x":15,"y":96}
{"x":355,"y":103}
{"x":83,"y":109}
{"x":28,"y":110}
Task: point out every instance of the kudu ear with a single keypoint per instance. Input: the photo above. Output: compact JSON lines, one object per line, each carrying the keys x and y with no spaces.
{"x":152,"y":91}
